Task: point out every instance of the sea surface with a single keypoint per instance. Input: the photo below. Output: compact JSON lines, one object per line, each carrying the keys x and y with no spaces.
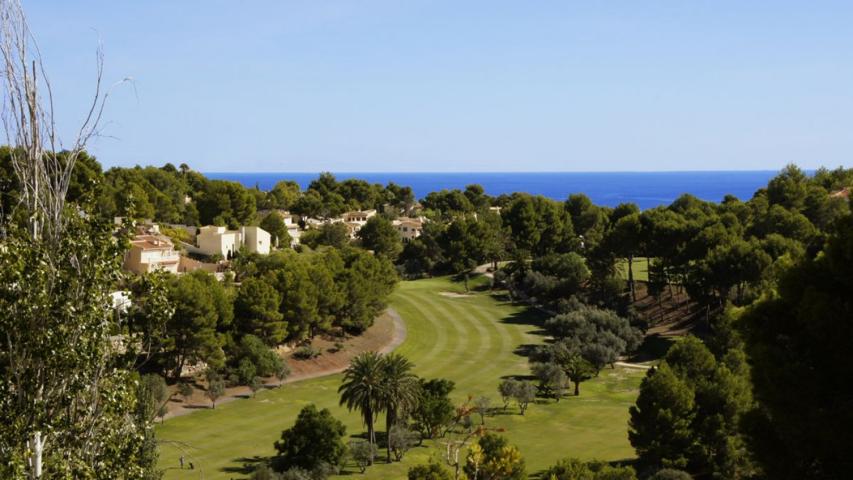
{"x":646,"y":189}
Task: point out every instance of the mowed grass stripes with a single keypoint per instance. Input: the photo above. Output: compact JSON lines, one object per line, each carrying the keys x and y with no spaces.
{"x":471,"y":340}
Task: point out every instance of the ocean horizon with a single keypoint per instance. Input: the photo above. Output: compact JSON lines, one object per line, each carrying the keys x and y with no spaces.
{"x":646,"y":189}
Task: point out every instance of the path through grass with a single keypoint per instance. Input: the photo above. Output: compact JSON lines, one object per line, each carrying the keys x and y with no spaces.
{"x":471,"y":340}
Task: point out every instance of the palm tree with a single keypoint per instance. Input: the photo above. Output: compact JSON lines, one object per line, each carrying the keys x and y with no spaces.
{"x":363,"y":388}
{"x":401,"y":391}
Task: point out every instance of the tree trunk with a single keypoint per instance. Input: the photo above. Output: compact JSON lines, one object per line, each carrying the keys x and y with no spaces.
{"x":466,"y":283}
{"x":577,"y":388}
{"x":371,"y":434}
{"x":389,"y":423}
{"x":631,"y":277}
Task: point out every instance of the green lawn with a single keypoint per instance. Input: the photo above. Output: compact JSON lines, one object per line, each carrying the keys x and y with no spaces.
{"x":641,"y":269}
{"x":471,"y":341}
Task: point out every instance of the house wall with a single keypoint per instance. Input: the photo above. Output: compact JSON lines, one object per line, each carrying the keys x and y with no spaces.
{"x":217,"y":240}
{"x":256,"y":239}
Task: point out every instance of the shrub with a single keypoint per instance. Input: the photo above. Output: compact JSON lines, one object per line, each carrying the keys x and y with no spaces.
{"x":246,"y":371}
{"x":671,"y":474}
{"x":402,"y":439}
{"x":430,"y":471}
{"x":574,"y":469}
{"x":362,"y":453}
{"x":306,"y":352}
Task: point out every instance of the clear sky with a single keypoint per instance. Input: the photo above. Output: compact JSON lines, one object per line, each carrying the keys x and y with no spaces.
{"x":420,"y":85}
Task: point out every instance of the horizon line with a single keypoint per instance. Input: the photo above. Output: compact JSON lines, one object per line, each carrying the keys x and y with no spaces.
{"x":421,"y":172}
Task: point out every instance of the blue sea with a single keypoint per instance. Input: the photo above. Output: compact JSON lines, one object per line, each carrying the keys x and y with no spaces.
{"x":646,"y":189}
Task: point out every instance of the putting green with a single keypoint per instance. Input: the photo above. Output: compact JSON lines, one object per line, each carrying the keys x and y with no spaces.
{"x":471,"y":340}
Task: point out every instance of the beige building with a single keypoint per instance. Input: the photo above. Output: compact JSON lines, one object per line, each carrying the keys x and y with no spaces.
{"x":358,"y":217}
{"x":213,"y":240}
{"x":408,"y":228}
{"x":151,"y":252}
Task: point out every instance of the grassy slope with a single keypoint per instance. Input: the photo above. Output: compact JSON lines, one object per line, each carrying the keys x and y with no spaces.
{"x":468,"y":340}
{"x":641,"y":269}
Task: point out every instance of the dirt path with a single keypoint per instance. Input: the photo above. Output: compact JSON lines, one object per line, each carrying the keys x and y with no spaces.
{"x":387,"y":333}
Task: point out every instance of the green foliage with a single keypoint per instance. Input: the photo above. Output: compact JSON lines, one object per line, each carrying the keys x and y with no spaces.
{"x":798,"y":343}
{"x":399,"y":396}
{"x":430,"y":471}
{"x":329,"y":234}
{"x":363,"y":389}
{"x":283,"y":195}
{"x":256,"y":309}
{"x":524,"y":394}
{"x":401,"y":439}
{"x":689,"y":411}
{"x":315,"y":439}
{"x":306,"y":352}
{"x":599,"y":335}
{"x":59,"y":357}
{"x":574,"y":469}
{"x":225,"y":203}
{"x":215,"y":387}
{"x":274,"y":224}
{"x":493,"y":458}
{"x":192,"y":332}
{"x":381,"y":237}
{"x":671,"y":474}
{"x":362,"y":453}
{"x":435,"y":410}
{"x":265,"y":360}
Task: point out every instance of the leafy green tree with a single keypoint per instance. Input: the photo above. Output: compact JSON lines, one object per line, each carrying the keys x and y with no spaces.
{"x":329,"y":234}
{"x":315,"y":439}
{"x":215,"y":389}
{"x":402,"y":439}
{"x":191,"y":332}
{"x":589,"y":221}
{"x":400,"y":393}
{"x":552,"y":379}
{"x":225,"y":203}
{"x":265,"y":360}
{"x":430,"y":471}
{"x":363,"y":453}
{"x":798,"y":342}
{"x":381,"y":237}
{"x":185,"y":390}
{"x":493,"y":458}
{"x":435,"y":410}
{"x":246,"y":371}
{"x":507,"y":389}
{"x":363,"y":389}
{"x":482,"y":405}
{"x":600,"y":335}
{"x":255,"y":384}
{"x":299,"y":295}
{"x":283,"y":195}
{"x":689,"y":412}
{"x":624,"y":241}
{"x":257,"y":310}
{"x":274,"y":224}
{"x":155,"y":393}
{"x":524,"y":394}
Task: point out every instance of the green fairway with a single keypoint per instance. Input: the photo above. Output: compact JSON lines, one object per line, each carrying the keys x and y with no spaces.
{"x":641,"y":269}
{"x":470,"y":340}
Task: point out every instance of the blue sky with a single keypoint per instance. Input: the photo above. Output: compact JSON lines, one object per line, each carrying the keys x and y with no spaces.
{"x":419,"y":85}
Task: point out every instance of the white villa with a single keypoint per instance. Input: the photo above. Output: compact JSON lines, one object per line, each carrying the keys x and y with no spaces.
{"x":354,"y":220}
{"x":151,"y":252}
{"x":408,"y":228}
{"x":358,"y":217}
{"x":213,"y":240}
